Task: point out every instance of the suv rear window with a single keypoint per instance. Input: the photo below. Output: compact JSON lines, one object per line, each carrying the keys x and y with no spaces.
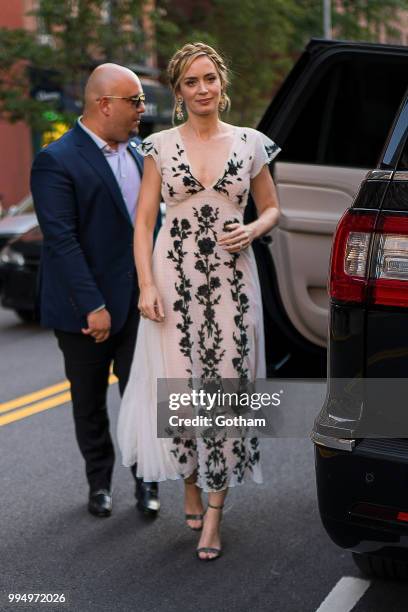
{"x":348,"y":111}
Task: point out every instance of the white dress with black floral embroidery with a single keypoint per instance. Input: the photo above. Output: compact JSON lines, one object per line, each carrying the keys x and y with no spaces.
{"x":213,"y":323}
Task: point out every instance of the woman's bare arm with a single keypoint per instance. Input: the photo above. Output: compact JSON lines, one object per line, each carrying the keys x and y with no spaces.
{"x":150,"y":303}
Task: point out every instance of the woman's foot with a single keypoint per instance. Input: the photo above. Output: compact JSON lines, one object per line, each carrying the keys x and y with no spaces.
{"x":209,"y":546}
{"x":193,"y":505}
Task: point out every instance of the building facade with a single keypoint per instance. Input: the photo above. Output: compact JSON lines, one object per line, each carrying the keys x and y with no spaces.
{"x":15,"y":139}
{"x":20,"y":143}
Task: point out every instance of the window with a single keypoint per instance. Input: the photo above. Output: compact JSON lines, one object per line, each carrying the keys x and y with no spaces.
{"x":348,"y":112}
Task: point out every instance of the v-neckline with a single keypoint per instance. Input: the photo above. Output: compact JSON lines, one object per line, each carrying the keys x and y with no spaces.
{"x":230,"y":152}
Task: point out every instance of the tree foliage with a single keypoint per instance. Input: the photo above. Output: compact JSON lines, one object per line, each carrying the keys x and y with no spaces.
{"x":260,"y":39}
{"x":72,"y":37}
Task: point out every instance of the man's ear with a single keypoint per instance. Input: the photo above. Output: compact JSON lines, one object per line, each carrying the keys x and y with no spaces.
{"x":105,"y":107}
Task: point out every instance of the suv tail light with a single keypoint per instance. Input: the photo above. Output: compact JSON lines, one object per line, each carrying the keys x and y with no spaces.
{"x":349,"y":259}
{"x":357,"y":236}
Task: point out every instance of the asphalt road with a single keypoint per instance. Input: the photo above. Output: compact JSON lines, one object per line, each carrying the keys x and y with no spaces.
{"x":277,"y":556}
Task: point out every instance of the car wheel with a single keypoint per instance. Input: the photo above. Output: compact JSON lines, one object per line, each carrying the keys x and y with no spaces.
{"x":28,"y":316}
{"x":381,"y":567}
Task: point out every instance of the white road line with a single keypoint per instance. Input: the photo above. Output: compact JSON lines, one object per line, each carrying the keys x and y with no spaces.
{"x":345,"y":595}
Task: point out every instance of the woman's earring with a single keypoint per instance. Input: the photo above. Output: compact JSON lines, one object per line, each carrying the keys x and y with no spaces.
{"x":222,"y":105}
{"x":179,"y":109}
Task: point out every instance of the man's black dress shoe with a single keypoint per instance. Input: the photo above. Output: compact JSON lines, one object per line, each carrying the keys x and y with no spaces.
{"x":147,"y":495}
{"x":100,"y":502}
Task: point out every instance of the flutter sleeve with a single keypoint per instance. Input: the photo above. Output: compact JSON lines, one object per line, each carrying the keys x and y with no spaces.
{"x":151,"y":146}
{"x":265,"y":150}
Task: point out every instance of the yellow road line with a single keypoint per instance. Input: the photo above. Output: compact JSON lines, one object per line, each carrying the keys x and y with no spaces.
{"x":32,"y":397}
{"x":27,"y":406}
{"x":22,"y":413}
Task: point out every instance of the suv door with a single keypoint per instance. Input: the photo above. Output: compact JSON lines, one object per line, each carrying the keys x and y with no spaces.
{"x":330,"y":117}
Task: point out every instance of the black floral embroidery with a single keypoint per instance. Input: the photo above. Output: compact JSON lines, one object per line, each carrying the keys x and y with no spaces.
{"x":147,"y":147}
{"x":270,"y":150}
{"x":183,"y":169}
{"x":241,"y":196}
{"x":242,"y":306}
{"x":207,"y":263}
{"x":180,"y":231}
{"x":216,"y":472}
{"x":206,"y":219}
{"x":183,"y":447}
{"x":171,"y":190}
{"x":222,"y":459}
{"x":232,"y":169}
{"x":247,"y":455}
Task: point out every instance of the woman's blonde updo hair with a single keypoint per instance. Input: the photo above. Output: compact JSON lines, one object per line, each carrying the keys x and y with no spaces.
{"x":182,"y":60}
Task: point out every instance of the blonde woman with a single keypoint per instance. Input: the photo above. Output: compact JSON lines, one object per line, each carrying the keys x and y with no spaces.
{"x":200,"y":298}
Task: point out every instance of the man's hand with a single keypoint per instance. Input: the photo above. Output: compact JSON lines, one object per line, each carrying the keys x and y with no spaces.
{"x":99,"y":324}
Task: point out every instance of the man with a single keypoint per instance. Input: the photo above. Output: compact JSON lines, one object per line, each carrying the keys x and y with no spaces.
{"x":85,"y":187}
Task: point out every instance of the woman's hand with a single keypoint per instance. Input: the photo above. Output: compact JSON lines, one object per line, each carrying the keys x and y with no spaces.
{"x":238,"y":238}
{"x":150,"y":304}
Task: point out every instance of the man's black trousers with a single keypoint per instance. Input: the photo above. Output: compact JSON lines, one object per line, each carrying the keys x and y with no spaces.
{"x":87,"y":366}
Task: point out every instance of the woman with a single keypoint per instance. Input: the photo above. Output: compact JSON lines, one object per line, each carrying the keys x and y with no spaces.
{"x":200,"y":298}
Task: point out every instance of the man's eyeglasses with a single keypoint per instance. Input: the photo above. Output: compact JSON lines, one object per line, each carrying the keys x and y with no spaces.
{"x":136,"y":101}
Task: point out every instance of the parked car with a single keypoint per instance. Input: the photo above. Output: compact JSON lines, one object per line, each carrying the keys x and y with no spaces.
{"x":361,"y":434}
{"x":19,"y":268}
{"x":18,"y":219}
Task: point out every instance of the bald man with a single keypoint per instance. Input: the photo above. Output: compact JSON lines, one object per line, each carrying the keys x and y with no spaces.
{"x":85,"y":188}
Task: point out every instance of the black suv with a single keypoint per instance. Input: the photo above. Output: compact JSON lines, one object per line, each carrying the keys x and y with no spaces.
{"x":341,"y":119}
{"x":361,"y":434}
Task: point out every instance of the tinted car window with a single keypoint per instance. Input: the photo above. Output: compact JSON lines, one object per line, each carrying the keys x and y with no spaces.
{"x":345,"y":119}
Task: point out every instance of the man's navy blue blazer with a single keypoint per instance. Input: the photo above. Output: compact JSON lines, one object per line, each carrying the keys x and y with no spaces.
{"x":87,"y":257}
